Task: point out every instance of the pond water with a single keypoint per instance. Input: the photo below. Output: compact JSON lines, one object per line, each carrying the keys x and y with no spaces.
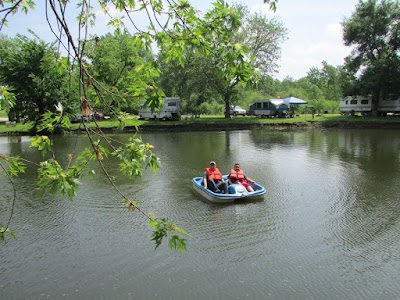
{"x":327,"y":228}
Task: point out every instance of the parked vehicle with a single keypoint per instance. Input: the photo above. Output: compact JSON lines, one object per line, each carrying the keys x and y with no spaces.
{"x":98,"y":115}
{"x":94,"y":116}
{"x":170,"y":110}
{"x":363,"y":105}
{"x":237,"y":111}
{"x":270,"y":108}
{"x":78,"y":118}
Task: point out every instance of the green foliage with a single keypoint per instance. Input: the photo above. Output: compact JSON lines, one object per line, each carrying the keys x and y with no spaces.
{"x":12,"y":7}
{"x":236,"y":42}
{"x":329,"y":80}
{"x":42,"y":143}
{"x":54,"y":179}
{"x":322,"y":88}
{"x":162,"y":227}
{"x":320,"y":106}
{"x":263,"y":38}
{"x":210,"y":108}
{"x":36,"y":74}
{"x":7,"y":99}
{"x":374,"y":63}
{"x":272,"y":4}
{"x":4,"y":232}
{"x":134,"y":154}
{"x":119,"y":66}
{"x":52,"y":121}
{"x":14,"y":165}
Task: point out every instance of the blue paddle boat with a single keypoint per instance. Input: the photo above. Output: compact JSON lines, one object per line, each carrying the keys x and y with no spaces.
{"x":235,"y":191}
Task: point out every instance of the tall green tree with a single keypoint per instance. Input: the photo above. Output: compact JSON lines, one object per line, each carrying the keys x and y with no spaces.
{"x":196,"y":82}
{"x":221,"y":76}
{"x":231,"y":59}
{"x":36,"y":73}
{"x":373,"y":31}
{"x":214,"y":71}
{"x":115,"y":60}
{"x":328,"y":79}
{"x":263,"y":37}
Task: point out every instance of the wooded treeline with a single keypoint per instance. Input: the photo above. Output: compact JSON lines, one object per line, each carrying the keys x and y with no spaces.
{"x":40,"y":78}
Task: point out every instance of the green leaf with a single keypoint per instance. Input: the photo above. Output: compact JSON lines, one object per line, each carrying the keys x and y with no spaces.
{"x":7,"y":99}
{"x":177,"y":243}
{"x":161,"y":228}
{"x":50,"y":121}
{"x":134,"y":155}
{"x":4,"y":232}
{"x":14,"y":164}
{"x":42,"y":143}
{"x":53,"y":179}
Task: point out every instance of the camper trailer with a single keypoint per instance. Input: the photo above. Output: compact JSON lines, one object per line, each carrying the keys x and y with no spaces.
{"x":269,"y":108}
{"x":363,"y":105}
{"x":389,"y":106}
{"x":170,"y":110}
{"x":353,"y":104}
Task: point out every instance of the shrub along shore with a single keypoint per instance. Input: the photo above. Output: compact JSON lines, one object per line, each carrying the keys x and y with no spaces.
{"x":220,"y":123}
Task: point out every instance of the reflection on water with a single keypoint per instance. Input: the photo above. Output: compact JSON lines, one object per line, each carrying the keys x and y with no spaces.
{"x":328,"y":226}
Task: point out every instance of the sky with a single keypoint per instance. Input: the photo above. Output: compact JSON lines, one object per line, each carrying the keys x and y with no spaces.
{"x":314,"y":30}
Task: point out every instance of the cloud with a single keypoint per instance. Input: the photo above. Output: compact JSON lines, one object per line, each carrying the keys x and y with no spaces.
{"x":314,"y":33}
{"x":261,"y":8}
{"x":299,"y":58}
{"x":334,"y":29}
{"x":301,"y":54}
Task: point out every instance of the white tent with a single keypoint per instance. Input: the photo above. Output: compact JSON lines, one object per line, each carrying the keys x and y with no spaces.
{"x":294,"y":100}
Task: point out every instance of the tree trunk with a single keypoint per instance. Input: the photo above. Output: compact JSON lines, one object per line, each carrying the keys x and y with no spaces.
{"x":227,"y":100}
{"x":376,"y":97}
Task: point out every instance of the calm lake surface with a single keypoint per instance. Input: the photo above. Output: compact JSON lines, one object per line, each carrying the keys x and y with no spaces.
{"x":327,"y":228}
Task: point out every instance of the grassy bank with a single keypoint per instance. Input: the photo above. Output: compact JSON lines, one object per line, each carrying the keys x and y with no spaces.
{"x":219,"y":122}
{"x":3,"y":114}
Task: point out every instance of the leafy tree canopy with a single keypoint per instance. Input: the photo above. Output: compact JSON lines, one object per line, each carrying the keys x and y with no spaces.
{"x":35,"y":73}
{"x":374,"y":32}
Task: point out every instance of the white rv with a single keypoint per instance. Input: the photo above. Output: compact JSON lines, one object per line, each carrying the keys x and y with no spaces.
{"x":363,"y":104}
{"x":170,"y":110}
{"x":389,"y":106}
{"x":352,"y":104}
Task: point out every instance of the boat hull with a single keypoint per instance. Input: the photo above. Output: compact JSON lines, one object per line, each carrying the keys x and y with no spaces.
{"x":236,"y":192}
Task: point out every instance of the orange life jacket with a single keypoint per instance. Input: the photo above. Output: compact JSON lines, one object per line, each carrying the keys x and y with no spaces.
{"x":236,"y":175}
{"x":213,"y":174}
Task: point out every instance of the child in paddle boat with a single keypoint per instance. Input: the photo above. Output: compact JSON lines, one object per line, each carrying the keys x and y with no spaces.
{"x":237,"y":176}
{"x":212,"y":179}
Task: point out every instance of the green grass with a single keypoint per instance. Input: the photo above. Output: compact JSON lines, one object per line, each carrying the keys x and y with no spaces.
{"x":19,"y":127}
{"x":215,"y":119}
{"x":3,"y":114}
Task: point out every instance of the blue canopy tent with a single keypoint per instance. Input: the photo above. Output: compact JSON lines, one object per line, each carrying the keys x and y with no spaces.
{"x":294,"y":100}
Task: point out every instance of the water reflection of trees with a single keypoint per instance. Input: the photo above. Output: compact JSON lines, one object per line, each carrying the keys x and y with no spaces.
{"x":267,"y":139}
{"x":366,"y":215}
{"x":371,"y":150}
{"x":367,"y":206}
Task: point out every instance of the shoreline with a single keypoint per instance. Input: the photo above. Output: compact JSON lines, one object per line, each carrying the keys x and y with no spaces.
{"x":275,"y":126}
{"x":217,"y":126}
